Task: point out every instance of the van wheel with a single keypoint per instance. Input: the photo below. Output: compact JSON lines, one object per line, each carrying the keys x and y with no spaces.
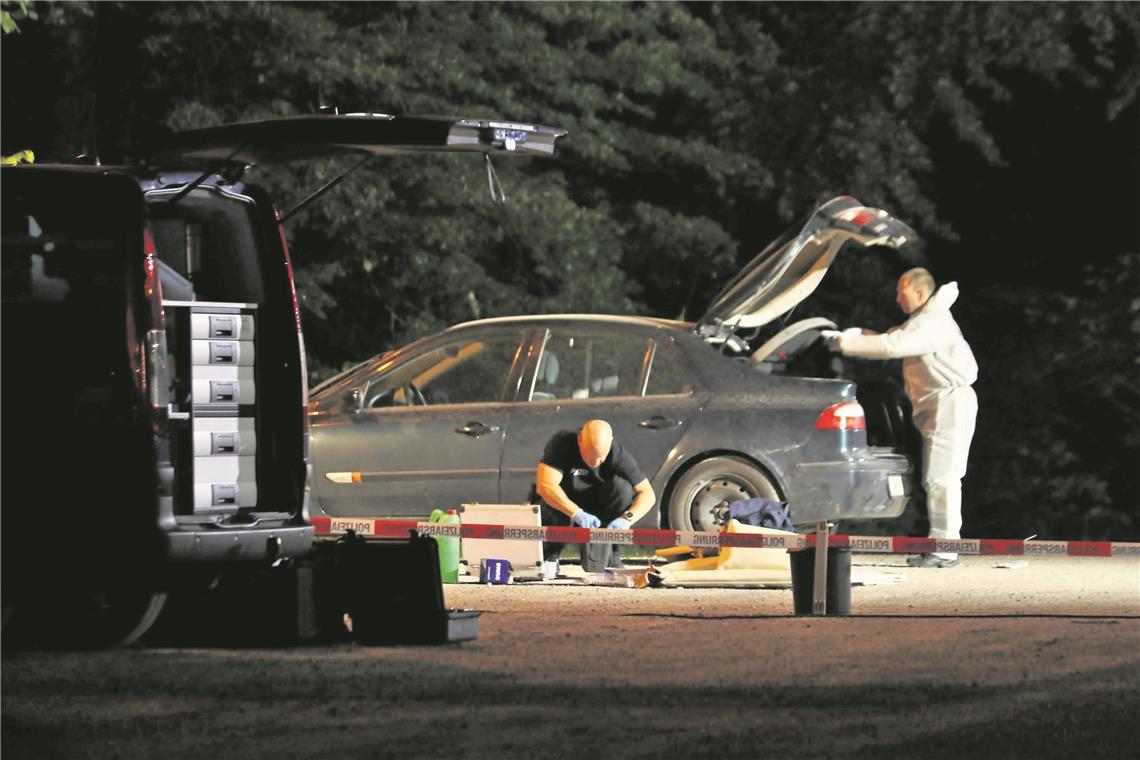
{"x":704,"y":487}
{"x":120,"y":616}
{"x":110,"y":617}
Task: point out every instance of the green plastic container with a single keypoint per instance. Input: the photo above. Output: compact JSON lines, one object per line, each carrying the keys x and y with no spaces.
{"x":448,"y":546}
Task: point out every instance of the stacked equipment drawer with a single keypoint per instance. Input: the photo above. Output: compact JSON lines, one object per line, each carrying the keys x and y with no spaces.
{"x":223,"y":403}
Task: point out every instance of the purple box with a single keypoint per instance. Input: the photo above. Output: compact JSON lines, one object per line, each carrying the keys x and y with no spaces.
{"x":495,"y":571}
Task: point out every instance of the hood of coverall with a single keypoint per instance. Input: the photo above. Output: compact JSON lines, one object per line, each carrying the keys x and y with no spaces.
{"x":943,"y":298}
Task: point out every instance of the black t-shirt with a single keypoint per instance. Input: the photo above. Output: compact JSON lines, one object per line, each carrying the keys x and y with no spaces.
{"x":579,"y":481}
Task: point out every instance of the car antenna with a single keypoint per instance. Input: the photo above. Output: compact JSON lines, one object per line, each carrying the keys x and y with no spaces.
{"x":326,"y":187}
{"x":214,"y":169}
{"x":497,"y":194}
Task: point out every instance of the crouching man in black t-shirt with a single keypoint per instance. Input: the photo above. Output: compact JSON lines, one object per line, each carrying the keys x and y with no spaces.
{"x":586,"y":479}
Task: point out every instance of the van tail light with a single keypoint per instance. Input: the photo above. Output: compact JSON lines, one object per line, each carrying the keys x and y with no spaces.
{"x":152,"y":369}
{"x":152,"y":282}
{"x":846,"y":415}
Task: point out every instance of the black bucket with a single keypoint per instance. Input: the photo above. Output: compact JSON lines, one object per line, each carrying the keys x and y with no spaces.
{"x":838,"y":580}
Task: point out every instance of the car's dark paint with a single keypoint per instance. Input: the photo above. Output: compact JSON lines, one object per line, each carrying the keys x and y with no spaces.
{"x":759,"y":413}
{"x":733,"y":410}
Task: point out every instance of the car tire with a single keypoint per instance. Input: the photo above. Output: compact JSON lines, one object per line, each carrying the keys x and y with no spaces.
{"x":707,"y":484}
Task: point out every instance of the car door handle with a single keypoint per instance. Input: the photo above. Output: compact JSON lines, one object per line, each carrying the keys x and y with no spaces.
{"x":659,"y":422}
{"x":476,"y":429}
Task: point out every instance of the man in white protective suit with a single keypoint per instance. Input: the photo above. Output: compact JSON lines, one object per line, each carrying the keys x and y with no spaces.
{"x":939,"y":368}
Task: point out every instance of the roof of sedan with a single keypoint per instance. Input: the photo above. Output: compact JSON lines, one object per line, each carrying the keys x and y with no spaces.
{"x":611,"y":319}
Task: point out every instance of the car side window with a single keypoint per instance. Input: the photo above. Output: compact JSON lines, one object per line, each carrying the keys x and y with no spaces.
{"x":582,"y":363}
{"x":468,"y":371}
{"x":668,"y":374}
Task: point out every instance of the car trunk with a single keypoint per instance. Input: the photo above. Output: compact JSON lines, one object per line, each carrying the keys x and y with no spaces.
{"x":749,"y":317}
{"x":886,"y":407}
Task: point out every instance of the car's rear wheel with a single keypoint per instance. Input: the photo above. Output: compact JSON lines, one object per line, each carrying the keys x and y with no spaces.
{"x":707,"y":485}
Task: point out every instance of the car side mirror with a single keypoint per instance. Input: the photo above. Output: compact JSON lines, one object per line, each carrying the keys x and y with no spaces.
{"x":354,"y":400}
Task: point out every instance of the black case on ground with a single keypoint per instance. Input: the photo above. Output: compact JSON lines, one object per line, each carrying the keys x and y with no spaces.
{"x":393,"y":593}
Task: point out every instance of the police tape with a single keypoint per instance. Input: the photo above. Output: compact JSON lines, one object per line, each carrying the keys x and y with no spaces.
{"x":378,"y":528}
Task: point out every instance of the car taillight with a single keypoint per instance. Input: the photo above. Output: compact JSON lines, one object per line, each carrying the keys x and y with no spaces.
{"x":846,"y":415}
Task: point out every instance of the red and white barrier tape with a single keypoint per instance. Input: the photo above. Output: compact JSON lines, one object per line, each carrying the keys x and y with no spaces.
{"x":705,"y":539}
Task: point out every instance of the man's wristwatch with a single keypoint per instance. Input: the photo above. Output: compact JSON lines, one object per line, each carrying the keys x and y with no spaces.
{"x":628,"y":515}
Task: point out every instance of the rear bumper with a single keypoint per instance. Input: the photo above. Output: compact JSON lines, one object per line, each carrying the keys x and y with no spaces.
{"x":869,"y":487}
{"x":210,"y":544}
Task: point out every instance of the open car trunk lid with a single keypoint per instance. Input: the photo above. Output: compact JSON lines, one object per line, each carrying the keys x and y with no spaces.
{"x":790,"y":269}
{"x":304,"y":137}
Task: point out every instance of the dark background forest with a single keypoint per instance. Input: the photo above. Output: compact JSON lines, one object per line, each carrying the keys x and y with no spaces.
{"x":1006,"y":134}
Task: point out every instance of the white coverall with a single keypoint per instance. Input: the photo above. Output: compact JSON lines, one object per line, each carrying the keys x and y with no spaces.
{"x":939,"y":368}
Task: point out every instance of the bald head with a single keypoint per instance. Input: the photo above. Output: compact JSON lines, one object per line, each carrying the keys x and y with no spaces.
{"x":915,"y":288}
{"x":594,"y":442}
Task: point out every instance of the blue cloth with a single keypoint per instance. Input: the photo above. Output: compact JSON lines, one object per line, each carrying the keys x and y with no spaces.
{"x":761,"y":512}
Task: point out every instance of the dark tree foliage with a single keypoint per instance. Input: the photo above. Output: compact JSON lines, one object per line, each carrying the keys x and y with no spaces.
{"x":1005,"y":133}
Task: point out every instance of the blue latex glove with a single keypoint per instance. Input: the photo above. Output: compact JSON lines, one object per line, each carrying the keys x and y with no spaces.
{"x":584,"y":519}
{"x":619,"y":523}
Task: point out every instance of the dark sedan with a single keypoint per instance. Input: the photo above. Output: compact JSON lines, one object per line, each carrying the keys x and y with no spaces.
{"x":462,"y":416}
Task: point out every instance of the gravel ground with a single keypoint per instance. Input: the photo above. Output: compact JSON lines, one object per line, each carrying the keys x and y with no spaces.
{"x":977,"y":661}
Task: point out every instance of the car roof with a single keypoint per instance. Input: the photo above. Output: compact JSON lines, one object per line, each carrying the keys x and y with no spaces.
{"x":606,"y":319}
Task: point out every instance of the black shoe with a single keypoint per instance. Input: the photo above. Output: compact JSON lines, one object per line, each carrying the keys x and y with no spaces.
{"x":929,"y":560}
